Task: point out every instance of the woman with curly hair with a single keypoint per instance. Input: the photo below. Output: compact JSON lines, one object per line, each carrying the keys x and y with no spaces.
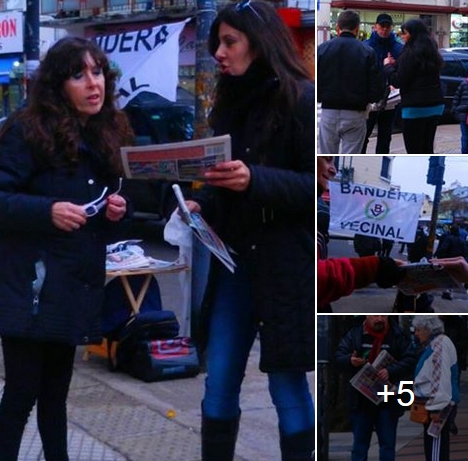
{"x":416,"y":73}
{"x":57,"y":154}
{"x":262,"y":205}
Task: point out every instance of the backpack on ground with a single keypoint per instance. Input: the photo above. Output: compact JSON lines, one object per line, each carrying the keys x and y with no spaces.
{"x":159,"y":359}
{"x":116,"y":311}
{"x":150,"y":349}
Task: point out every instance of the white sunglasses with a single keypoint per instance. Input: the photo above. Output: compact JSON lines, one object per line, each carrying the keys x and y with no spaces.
{"x":93,"y":208}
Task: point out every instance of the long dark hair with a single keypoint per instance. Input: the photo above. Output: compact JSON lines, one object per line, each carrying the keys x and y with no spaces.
{"x":421,"y":48}
{"x":50,"y":120}
{"x":272,"y":43}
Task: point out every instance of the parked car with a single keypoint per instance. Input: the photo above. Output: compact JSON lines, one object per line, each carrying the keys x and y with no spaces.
{"x":454,"y":71}
{"x":156,"y":120}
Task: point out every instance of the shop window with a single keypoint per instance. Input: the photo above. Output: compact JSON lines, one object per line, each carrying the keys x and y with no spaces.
{"x":49,"y":6}
{"x":114,"y":3}
{"x":385,"y":170}
{"x":70,"y":5}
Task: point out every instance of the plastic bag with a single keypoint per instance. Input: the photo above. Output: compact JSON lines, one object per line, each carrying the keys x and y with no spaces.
{"x":176,"y":232}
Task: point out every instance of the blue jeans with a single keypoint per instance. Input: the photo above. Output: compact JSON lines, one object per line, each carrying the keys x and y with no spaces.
{"x":232,"y":332}
{"x":464,"y":137}
{"x":384,"y":421}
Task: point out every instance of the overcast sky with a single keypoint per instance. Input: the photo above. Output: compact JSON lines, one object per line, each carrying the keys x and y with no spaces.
{"x":410,"y":172}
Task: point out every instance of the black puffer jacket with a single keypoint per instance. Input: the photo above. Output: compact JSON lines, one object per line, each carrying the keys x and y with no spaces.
{"x":397,"y":343}
{"x":460,"y":102}
{"x":271,"y":225}
{"x":68,"y":306}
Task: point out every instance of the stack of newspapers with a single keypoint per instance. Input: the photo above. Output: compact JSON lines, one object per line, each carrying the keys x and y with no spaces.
{"x":126,"y":255}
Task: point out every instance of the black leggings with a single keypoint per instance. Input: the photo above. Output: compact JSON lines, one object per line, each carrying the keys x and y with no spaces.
{"x":35,"y":372}
{"x":419,"y":134}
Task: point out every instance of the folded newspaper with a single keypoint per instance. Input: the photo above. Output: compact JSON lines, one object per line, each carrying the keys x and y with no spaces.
{"x":425,"y":276}
{"x":177,"y":161}
{"x":367,"y":382}
{"x":128,"y":255}
{"x":204,"y":232}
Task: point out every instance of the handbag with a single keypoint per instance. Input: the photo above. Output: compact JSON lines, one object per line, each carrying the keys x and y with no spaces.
{"x":418,"y":412}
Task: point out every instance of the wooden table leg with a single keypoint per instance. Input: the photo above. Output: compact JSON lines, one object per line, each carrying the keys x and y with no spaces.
{"x":136,"y":303}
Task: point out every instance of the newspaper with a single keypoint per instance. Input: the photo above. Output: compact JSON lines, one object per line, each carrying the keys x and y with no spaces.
{"x":178,"y":161}
{"x":435,"y":427}
{"x":367,"y":382}
{"x":128,"y":255}
{"x":425,"y":276}
{"x":204,"y":232}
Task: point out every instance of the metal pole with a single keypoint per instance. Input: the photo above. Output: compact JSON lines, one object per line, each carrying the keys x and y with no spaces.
{"x":31,"y":39}
{"x":434,"y":216}
{"x":204,"y":86}
{"x":435,"y":209}
{"x":323,"y":354}
{"x":204,"y":68}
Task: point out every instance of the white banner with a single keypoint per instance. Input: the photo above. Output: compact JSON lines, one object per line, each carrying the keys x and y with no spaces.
{"x":11,"y":32}
{"x":369,"y":210}
{"x":148,"y":59}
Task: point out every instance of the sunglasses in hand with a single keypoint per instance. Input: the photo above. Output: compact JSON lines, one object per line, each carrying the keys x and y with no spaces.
{"x":93,"y":208}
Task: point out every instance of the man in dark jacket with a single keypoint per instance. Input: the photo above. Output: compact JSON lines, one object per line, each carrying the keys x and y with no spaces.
{"x":384,"y":42}
{"x":366,"y":245}
{"x":449,"y":247}
{"x":361,"y":345}
{"x":348,"y":80}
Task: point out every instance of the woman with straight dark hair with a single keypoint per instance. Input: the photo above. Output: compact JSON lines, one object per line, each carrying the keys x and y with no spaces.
{"x":261,"y":203}
{"x":417,"y":74}
{"x":59,"y":206}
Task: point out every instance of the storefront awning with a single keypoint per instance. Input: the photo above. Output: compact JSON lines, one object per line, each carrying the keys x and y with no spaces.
{"x":388,"y":6}
{"x":6,"y":64}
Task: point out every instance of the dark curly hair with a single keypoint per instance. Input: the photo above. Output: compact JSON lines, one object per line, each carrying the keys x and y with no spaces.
{"x":272,"y":43}
{"x":50,"y":120}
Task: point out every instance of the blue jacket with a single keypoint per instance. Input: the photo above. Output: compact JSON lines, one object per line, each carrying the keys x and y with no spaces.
{"x":383,"y":46}
{"x":397,"y":343}
{"x":67,"y":307}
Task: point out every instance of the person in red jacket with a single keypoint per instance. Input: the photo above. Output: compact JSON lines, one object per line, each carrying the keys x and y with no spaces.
{"x":338,"y":277}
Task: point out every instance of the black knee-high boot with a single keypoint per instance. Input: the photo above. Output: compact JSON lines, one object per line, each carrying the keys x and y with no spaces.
{"x":298,"y":446}
{"x":219,"y":438}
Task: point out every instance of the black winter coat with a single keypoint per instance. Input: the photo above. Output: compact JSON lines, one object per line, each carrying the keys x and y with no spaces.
{"x":451,"y":246}
{"x":67,"y":307}
{"x":348,"y":75}
{"x":460,"y":102}
{"x":397,"y":343}
{"x":419,"y":87}
{"x":271,"y":225}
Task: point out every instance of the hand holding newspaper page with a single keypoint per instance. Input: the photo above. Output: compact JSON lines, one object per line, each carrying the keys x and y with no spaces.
{"x":368,"y":383}
{"x":178,"y":161}
{"x":204,"y":232}
{"x":425,"y":276}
